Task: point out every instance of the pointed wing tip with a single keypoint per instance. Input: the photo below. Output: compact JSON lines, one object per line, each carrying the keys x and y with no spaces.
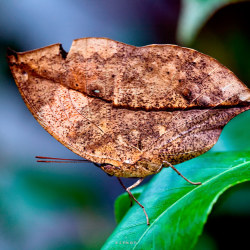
{"x":11,"y":55}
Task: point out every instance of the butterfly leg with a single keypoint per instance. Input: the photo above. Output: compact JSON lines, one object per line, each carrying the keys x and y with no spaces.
{"x":120,"y":181}
{"x":170,"y":165}
{"x":132,"y":196}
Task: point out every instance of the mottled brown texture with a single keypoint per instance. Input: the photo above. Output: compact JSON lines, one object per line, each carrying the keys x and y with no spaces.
{"x":130,"y":107}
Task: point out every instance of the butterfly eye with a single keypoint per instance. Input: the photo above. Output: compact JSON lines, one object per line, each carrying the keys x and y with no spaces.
{"x":96,"y":91}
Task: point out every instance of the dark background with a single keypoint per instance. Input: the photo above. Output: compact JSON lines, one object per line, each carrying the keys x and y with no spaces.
{"x":60,"y":206}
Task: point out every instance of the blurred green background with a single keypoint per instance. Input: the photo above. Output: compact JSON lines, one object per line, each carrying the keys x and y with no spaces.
{"x":70,"y":206}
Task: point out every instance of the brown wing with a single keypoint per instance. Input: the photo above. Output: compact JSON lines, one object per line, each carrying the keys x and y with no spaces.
{"x":131,"y":107}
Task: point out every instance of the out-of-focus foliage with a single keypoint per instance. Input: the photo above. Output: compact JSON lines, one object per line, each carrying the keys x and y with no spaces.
{"x":55,"y":208}
{"x":194,"y":14}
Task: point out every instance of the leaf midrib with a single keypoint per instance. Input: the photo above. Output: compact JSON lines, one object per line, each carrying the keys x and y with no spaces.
{"x":176,"y":202}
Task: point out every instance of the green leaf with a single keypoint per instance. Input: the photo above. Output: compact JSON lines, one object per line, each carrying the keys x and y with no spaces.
{"x":178,"y":210}
{"x":193,"y":16}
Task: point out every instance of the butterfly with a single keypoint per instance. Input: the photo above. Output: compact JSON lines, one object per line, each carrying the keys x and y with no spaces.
{"x":130,"y":110}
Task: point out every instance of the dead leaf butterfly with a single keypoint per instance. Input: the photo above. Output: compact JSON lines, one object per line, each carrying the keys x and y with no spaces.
{"x":130,"y":110}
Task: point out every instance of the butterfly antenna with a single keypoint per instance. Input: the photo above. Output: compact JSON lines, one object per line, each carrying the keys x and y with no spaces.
{"x":46,"y":159}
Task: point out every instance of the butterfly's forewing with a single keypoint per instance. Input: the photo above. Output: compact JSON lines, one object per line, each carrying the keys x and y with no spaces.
{"x":131,"y":107}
